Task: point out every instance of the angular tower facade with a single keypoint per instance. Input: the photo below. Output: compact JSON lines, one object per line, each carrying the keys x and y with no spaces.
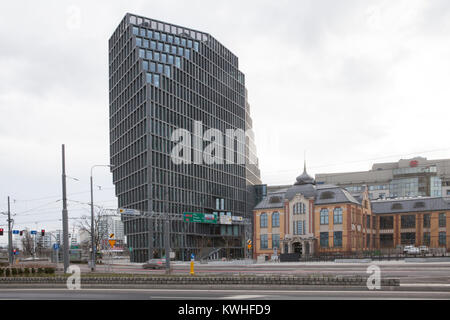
{"x":163,"y":78}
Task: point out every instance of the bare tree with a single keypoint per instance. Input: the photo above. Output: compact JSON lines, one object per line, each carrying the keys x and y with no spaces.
{"x":85,"y":226}
{"x":27,"y":243}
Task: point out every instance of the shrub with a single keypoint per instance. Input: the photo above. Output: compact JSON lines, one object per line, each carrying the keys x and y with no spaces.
{"x":14,"y":272}
{"x":26,"y":271}
{"x":19,"y":271}
{"x":7,"y":272}
{"x":40,"y":270}
{"x":49,"y":270}
{"x":2,"y":272}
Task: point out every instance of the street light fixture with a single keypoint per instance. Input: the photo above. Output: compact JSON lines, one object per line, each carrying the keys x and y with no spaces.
{"x":94,"y":254}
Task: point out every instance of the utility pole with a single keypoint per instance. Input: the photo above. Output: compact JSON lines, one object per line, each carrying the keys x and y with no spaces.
{"x":9,"y":234}
{"x":65,"y":219}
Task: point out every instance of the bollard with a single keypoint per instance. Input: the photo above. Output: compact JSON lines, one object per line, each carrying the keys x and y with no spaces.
{"x":192,"y":267}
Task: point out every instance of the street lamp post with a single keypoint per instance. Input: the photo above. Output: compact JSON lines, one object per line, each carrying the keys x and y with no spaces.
{"x":93,"y":261}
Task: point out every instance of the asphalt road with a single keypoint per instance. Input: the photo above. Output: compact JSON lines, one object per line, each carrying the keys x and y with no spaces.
{"x":408,"y":273}
{"x":233,"y":295}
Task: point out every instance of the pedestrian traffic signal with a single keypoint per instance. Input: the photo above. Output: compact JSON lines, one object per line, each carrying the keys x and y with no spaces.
{"x":1,"y":231}
{"x":42,"y":232}
{"x":21,"y":233}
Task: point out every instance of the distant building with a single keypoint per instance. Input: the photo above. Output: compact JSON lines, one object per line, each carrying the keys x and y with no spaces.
{"x":111,"y":225}
{"x":405,"y":178}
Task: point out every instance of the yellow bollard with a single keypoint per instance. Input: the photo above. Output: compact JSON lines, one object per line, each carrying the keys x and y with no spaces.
{"x":192,"y":268}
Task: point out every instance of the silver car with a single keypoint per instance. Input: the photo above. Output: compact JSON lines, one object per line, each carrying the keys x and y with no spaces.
{"x":155,"y":264}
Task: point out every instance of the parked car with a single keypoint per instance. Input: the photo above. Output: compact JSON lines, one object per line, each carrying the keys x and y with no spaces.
{"x":406,"y":249}
{"x":424,"y":249}
{"x":411,"y":250}
{"x":155,"y":264}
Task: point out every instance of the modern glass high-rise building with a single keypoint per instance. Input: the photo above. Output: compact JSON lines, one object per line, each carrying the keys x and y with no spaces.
{"x":163,"y":77}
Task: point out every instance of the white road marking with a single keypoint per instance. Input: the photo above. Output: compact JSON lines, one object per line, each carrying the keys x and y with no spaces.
{"x":242,"y":297}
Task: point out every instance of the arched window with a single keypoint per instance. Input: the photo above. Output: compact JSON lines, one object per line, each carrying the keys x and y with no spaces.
{"x":337,"y":216}
{"x":275,"y":220}
{"x":324,"y":216}
{"x":263,"y":220}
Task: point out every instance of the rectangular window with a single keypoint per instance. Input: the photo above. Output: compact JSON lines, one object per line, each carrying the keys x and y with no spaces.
{"x":170,"y":59}
{"x":337,"y":216}
{"x":149,"y":78}
{"x":178,"y":62}
{"x":152,"y":67}
{"x":141,"y":53}
{"x":408,"y":221}
{"x":442,"y":220}
{"x":167,"y":71}
{"x":156,"y":56}
{"x":139,"y":42}
{"x":156,"y":80}
{"x":324,"y":216}
{"x":160,"y":68}
{"x":156,"y":35}
{"x":386,"y":222}
{"x":145,"y":65}
{"x":170,"y":39}
{"x":180,"y":51}
{"x":442,"y":239}
{"x":136,"y":31}
{"x":426,"y":238}
{"x":149,"y":55}
{"x":163,"y":58}
{"x":408,"y":238}
{"x":264,"y":241}
{"x":427,"y":220}
{"x":299,"y":227}
{"x":153,"y":45}
{"x":263,"y":220}
{"x":160,"y":46}
{"x":324,"y":239}
{"x":145,"y":44}
{"x":337,"y":240}
{"x":276,"y":241}
{"x":187,"y":54}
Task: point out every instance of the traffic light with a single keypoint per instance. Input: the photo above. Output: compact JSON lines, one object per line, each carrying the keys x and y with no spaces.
{"x":42,"y":232}
{"x":21,"y":233}
{"x":1,"y":231}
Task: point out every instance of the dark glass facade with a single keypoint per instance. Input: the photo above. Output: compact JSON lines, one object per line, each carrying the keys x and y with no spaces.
{"x":163,"y":77}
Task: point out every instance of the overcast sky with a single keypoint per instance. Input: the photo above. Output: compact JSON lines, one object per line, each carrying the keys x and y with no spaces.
{"x":351,"y":82}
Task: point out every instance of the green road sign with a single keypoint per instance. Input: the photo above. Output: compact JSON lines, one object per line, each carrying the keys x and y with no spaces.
{"x":200,"y":217}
